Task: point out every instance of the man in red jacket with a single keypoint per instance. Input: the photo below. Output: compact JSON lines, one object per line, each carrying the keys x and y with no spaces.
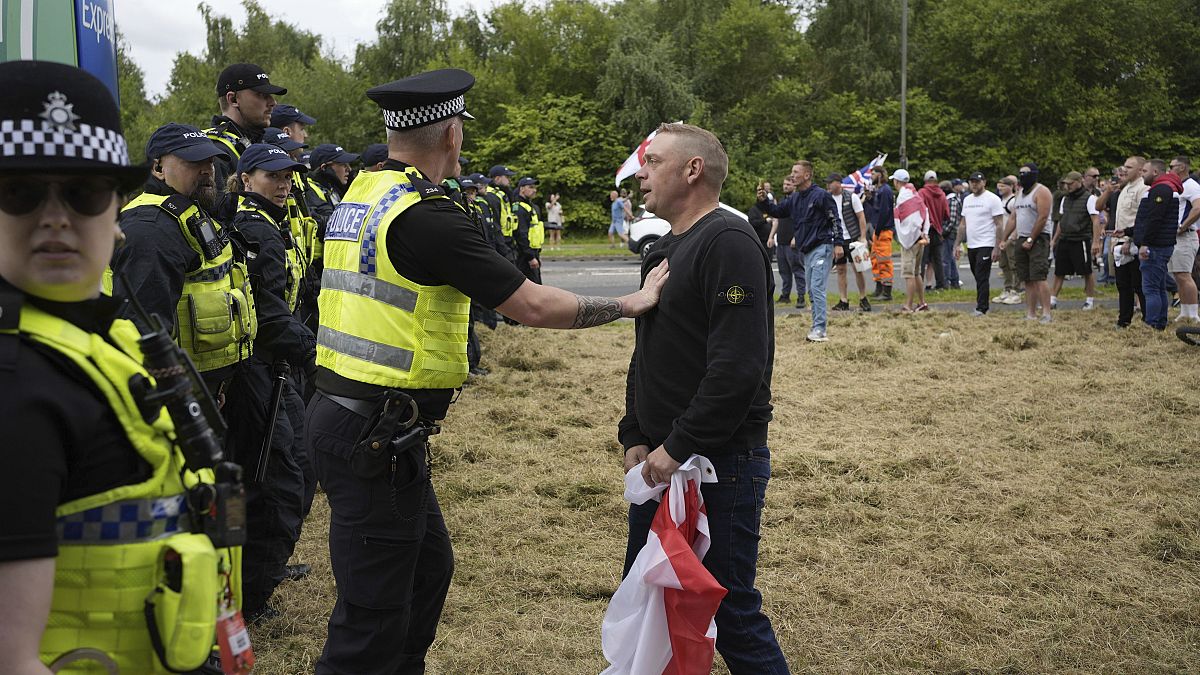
{"x":939,"y":210}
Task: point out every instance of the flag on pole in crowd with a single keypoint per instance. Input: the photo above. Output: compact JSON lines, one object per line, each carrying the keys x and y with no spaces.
{"x":661,"y":619}
{"x":636,"y":161}
{"x":860,"y":178}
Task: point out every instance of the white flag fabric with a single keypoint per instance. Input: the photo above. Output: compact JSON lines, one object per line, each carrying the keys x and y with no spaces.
{"x":660,"y":620}
{"x":636,"y":161}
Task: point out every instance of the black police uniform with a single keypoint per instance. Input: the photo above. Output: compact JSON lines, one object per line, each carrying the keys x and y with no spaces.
{"x":389,"y":548}
{"x":236,"y":77}
{"x":275,"y":507}
{"x":504,"y":245}
{"x":526,"y":253}
{"x":151,"y":266}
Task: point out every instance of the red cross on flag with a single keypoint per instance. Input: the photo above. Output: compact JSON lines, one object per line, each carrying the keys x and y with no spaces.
{"x":636,"y":161}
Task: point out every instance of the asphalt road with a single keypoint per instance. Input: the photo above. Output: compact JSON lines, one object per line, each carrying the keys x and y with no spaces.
{"x":618,"y":277}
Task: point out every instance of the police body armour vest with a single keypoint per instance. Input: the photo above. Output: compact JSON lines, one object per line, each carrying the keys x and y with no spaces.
{"x":537,"y":231}
{"x":508,"y":217}
{"x":378,"y":327}
{"x":110,"y":581}
{"x":215,"y":319}
{"x":296,"y":263}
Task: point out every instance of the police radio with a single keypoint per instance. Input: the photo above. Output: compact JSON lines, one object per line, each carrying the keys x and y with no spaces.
{"x":217,"y":509}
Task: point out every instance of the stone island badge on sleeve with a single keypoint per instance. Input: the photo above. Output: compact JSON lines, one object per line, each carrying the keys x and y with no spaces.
{"x":737,"y":295}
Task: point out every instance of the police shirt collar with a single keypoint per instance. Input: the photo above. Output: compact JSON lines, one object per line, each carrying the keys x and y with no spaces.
{"x":277,"y":213}
{"x":253,"y":135}
{"x":94,"y":316}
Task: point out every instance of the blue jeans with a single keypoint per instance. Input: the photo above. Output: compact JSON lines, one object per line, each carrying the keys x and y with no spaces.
{"x":734,"y":503}
{"x":949,"y":264}
{"x":1154,"y":285}
{"x":817,"y":264}
{"x":791,"y":266}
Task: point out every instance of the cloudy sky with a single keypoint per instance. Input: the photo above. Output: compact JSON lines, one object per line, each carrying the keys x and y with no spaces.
{"x":156,"y":29}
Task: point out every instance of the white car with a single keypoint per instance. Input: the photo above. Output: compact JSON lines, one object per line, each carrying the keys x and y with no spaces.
{"x":647,"y":228}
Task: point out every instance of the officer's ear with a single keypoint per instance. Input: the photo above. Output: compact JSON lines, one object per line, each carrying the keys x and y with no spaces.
{"x":157,"y":168}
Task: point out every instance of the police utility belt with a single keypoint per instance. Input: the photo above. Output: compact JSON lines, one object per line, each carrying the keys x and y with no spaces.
{"x":394,"y":429}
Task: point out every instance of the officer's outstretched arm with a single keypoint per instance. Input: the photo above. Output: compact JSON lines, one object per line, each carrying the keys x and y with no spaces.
{"x":549,"y":307}
{"x":26,"y":587}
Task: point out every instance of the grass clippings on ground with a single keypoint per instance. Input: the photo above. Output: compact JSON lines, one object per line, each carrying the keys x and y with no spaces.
{"x":948,"y":494}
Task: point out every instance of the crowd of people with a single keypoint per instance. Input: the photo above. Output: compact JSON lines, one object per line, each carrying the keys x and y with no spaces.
{"x":1136,"y":230}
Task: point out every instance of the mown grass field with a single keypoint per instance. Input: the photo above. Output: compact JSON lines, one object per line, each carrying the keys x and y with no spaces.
{"x":948,"y":494}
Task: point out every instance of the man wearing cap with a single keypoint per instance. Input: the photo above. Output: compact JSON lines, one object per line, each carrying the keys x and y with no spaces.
{"x":1076,"y":241}
{"x":939,"y":210}
{"x":331,"y":170}
{"x":911,"y":217}
{"x":852,"y":228}
{"x":290,"y":119}
{"x":981,"y":226}
{"x":402,"y":263}
{"x":530,"y":233}
{"x":276,"y":506}
{"x":1030,"y":219}
{"x":280,"y":138}
{"x":246,"y":99}
{"x":180,"y":263}
{"x":374,"y":156}
{"x":500,"y":198}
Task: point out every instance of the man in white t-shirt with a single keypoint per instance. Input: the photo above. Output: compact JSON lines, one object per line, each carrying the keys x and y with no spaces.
{"x":852,"y":228}
{"x":1186,"y":244}
{"x":982,"y":227}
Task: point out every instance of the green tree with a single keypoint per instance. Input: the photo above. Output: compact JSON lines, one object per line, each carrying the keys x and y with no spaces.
{"x":565,"y":142}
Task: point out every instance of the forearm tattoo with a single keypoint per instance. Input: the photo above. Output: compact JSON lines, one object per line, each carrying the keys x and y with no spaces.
{"x":596,"y":311}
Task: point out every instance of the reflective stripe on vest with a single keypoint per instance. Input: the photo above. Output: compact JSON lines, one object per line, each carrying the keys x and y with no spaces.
{"x":112,"y":543}
{"x":215,"y":319}
{"x":378,"y":327}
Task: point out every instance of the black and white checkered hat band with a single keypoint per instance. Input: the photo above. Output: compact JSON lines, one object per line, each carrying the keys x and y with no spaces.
{"x":38,"y":138}
{"x":420,"y":116}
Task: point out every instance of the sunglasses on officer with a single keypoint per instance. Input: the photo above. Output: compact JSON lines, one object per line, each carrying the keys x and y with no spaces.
{"x":85,"y":195}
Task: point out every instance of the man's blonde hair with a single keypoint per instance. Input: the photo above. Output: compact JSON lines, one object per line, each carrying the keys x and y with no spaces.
{"x":702,"y":143}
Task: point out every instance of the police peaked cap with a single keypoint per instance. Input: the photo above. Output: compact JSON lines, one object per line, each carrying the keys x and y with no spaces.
{"x":423,"y":99}
{"x":56,"y":118}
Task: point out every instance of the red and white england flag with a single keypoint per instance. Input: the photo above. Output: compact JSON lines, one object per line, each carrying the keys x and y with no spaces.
{"x":660,"y":621}
{"x":636,"y":161}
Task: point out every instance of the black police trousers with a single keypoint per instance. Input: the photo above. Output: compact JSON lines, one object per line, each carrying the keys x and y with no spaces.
{"x":389,"y":549}
{"x":534,"y":275}
{"x":273,"y":507}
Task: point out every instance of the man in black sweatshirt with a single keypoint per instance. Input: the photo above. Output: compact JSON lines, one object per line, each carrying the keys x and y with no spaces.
{"x":1154,"y":231}
{"x":700,"y":378}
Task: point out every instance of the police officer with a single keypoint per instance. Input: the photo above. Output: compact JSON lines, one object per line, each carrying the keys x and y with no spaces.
{"x":500,"y":198}
{"x":281,"y":138}
{"x":530,"y":232}
{"x":180,"y":263}
{"x":401,"y":264}
{"x":246,"y":99}
{"x":275,"y":505}
{"x":93,"y":484}
{"x":374,"y":156}
{"x":290,"y":119}
{"x":331,"y":170}
{"x":307,"y":213}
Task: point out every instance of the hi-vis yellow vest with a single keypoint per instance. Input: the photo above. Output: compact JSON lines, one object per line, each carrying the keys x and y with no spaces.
{"x":215,"y":322}
{"x":110,"y":586}
{"x":537,"y":231}
{"x":508,"y":218}
{"x":296,"y":263}
{"x":232,"y":142}
{"x":378,"y":327}
{"x":304,"y":227}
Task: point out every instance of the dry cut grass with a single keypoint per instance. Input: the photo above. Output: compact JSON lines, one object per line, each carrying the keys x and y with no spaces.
{"x":948,"y":494}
